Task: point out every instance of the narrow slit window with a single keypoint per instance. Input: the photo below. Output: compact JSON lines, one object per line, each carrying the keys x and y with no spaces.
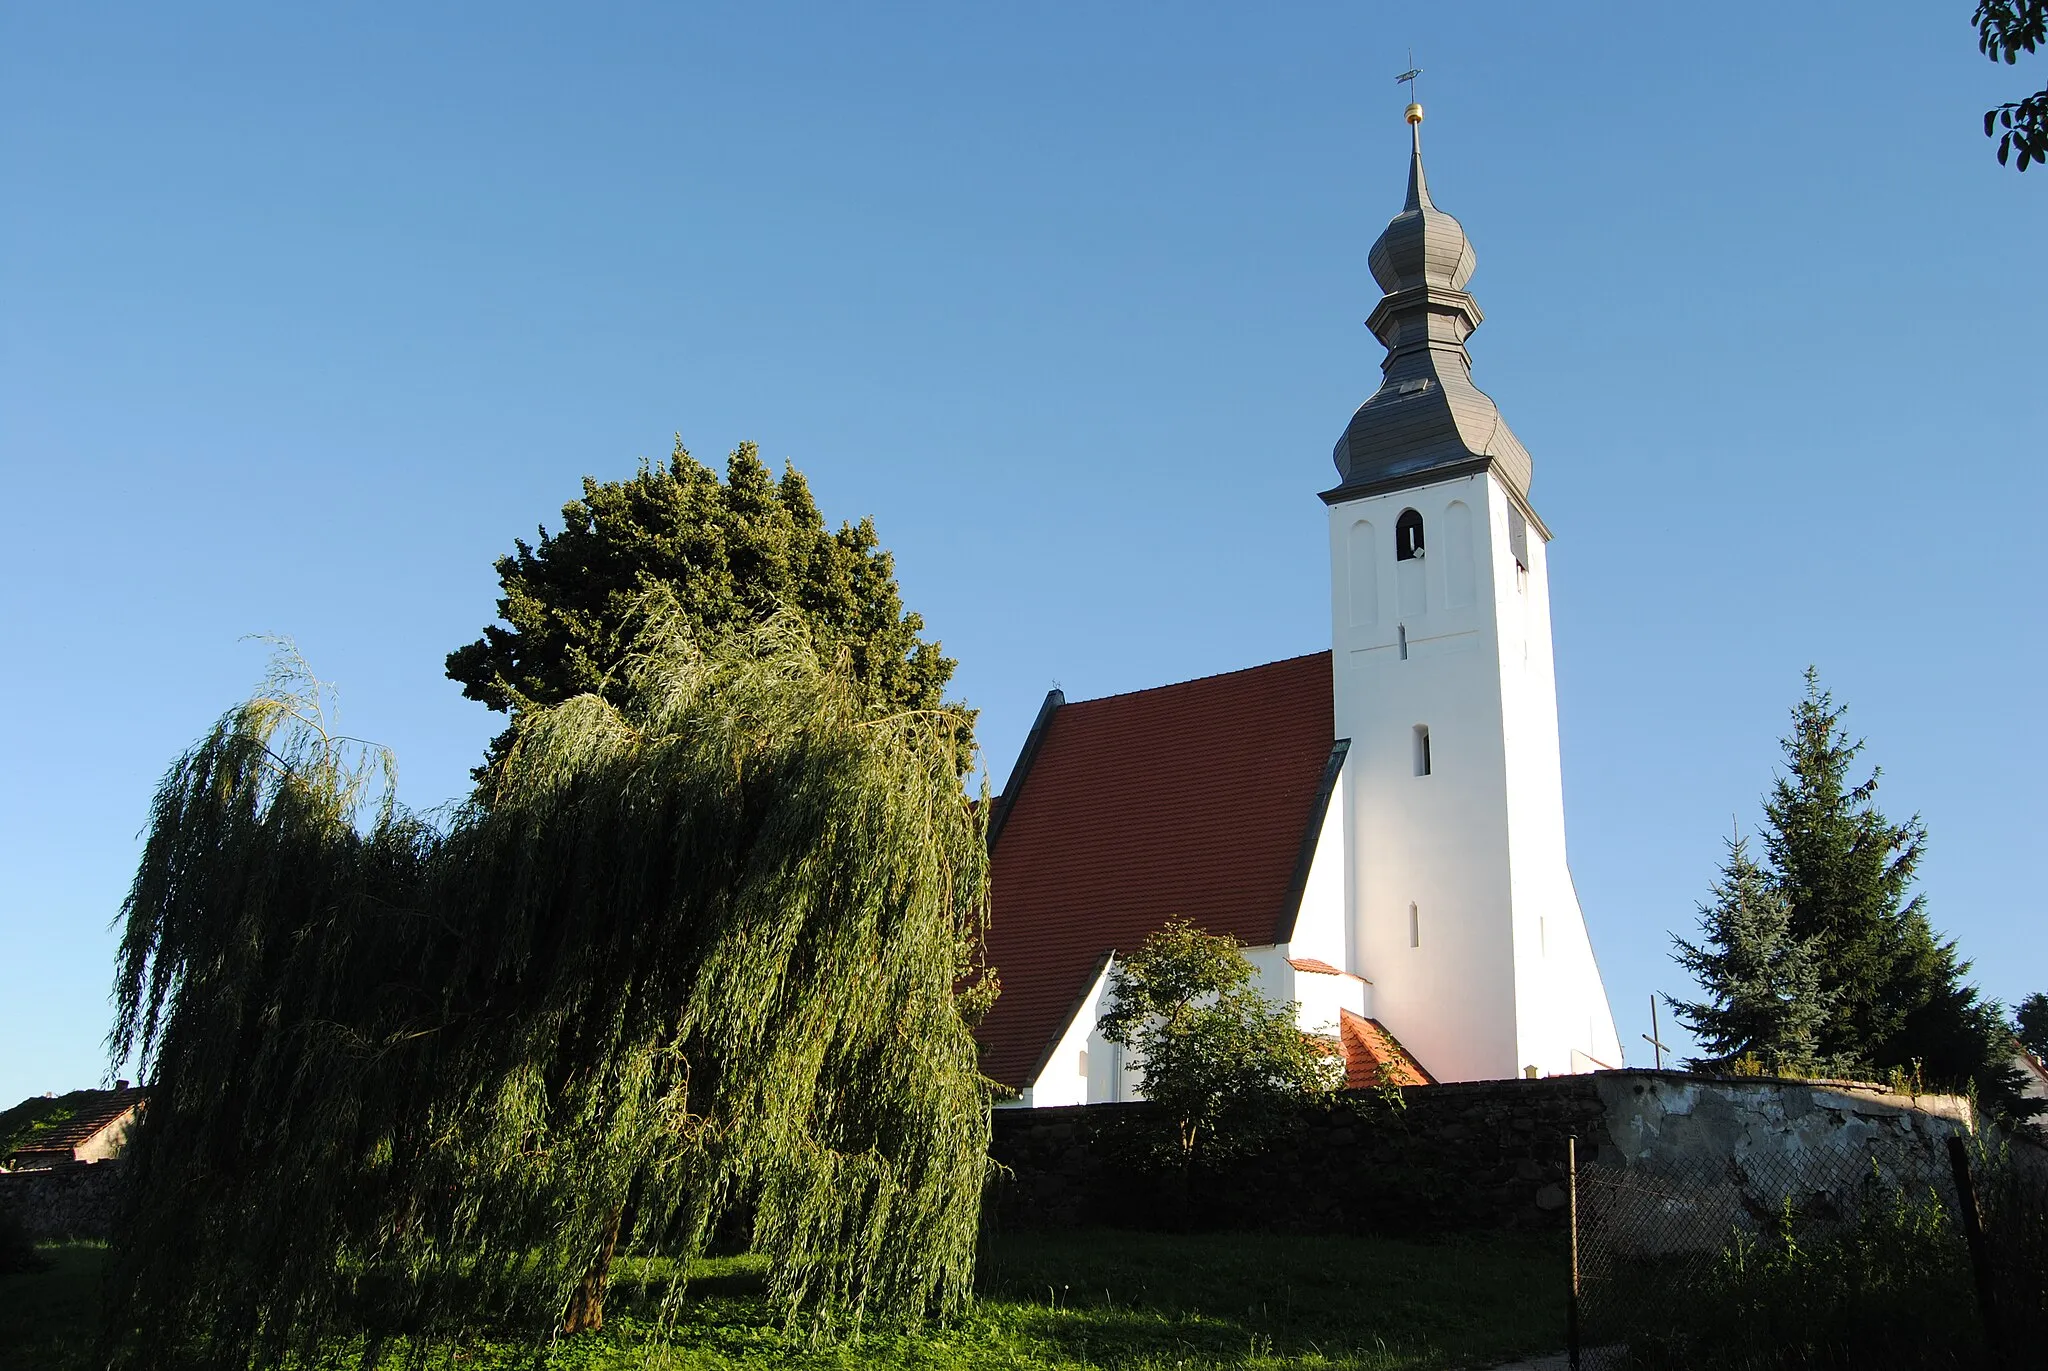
{"x":1407,"y":536}
{"x":1414,"y":926}
{"x":1518,"y":538}
{"x":1422,"y":749}
{"x":1084,"y":1061}
{"x":1404,"y":642}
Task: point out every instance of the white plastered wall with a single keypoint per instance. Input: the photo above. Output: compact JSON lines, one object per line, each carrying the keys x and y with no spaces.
{"x":1083,"y":1067}
{"x":1463,"y":913}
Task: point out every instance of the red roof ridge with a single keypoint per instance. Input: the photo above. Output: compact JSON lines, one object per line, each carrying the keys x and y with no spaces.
{"x":1197,"y":680}
{"x":1375,"y":1057}
{"x":1315,"y":966}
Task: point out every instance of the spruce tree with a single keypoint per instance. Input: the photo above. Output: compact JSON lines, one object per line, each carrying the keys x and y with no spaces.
{"x":1846,"y":872}
{"x":1763,"y":985}
{"x":1892,"y":994}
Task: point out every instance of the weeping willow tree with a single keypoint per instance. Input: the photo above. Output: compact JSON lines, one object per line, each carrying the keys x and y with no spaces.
{"x":695,"y":959}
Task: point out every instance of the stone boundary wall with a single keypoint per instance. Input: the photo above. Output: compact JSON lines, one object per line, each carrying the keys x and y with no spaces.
{"x":1472,"y":1155}
{"x":75,"y":1200}
{"x":1673,"y":1123}
{"x":1478,"y":1155}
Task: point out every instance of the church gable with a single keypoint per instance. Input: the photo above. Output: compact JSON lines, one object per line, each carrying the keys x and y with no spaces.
{"x":1200,"y":800}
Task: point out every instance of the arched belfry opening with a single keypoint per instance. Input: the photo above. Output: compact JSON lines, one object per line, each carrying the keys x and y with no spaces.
{"x":1408,"y":536}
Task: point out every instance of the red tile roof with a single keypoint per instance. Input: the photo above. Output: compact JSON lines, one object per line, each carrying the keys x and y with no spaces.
{"x":1373,"y":1056}
{"x":91,"y":1111}
{"x":1195,"y":801}
{"x":1315,"y":967}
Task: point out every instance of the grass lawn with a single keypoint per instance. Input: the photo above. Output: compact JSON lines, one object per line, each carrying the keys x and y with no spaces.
{"x":1130,"y":1301}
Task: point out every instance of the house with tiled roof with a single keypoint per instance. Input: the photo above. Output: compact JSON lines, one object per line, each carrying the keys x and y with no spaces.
{"x":1381,"y":824}
{"x":2033,"y":1072}
{"x":83,"y":1126}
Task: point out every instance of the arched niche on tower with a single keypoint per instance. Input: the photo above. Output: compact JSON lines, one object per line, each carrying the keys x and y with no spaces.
{"x":1461,"y":570}
{"x":1362,"y":574}
{"x":1408,"y":540}
{"x":1410,"y":586}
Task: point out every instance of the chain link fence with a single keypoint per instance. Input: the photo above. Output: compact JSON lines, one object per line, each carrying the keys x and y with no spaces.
{"x":1907,"y":1253}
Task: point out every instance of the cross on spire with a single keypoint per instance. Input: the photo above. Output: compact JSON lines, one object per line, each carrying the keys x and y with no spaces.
{"x":1407,"y":78}
{"x":1409,"y":75}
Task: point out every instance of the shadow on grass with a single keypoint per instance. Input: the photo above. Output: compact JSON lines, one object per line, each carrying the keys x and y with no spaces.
{"x":1121,"y":1301}
{"x":48,"y":1318}
{"x":1250,"y":1299}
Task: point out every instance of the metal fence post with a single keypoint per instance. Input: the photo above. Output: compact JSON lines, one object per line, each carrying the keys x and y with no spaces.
{"x":1973,"y":1232}
{"x":1571,"y":1317}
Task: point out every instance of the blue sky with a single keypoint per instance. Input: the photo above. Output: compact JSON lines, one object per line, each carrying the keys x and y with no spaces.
{"x":309,"y":313}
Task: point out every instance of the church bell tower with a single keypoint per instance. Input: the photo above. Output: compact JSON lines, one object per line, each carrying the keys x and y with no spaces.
{"x":1461,"y":906}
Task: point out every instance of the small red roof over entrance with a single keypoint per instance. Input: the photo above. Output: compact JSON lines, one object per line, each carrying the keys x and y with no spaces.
{"x":1198,"y":800}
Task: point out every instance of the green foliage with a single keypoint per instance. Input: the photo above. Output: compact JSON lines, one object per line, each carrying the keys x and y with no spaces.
{"x":1226,"y":1067}
{"x":37,"y":1115}
{"x":1878,"y":1276}
{"x":2005,"y":29}
{"x":729,"y":557}
{"x":1892,"y":1289}
{"x":1764,"y":999}
{"x":692,"y":962}
{"x":2030,"y":1022}
{"x":1045,"y":1302}
{"x":1887,"y":994}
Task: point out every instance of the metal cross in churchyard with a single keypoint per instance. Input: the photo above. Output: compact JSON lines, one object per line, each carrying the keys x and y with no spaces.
{"x":1651,"y":1037}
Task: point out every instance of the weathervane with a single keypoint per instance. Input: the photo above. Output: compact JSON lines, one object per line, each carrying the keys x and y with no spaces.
{"x":1408,"y":78}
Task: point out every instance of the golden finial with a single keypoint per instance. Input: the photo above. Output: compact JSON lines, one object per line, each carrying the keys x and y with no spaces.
{"x":1414,"y":115}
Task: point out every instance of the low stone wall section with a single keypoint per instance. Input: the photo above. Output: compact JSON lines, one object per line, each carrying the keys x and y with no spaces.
{"x":76,"y":1200}
{"x":1481,"y":1155}
{"x":1474,"y":1155}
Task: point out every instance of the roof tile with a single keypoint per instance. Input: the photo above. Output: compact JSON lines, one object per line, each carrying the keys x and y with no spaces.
{"x":1374,"y":1057}
{"x":1184,"y":801}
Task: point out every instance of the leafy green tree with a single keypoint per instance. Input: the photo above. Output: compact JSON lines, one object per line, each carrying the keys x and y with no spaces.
{"x":2031,"y":1022}
{"x":1227,"y":1067}
{"x":2005,"y":29}
{"x":1763,"y":986}
{"x":731,"y":555}
{"x":694,"y":961}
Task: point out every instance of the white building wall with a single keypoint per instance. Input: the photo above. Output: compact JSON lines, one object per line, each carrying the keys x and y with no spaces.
{"x":1083,"y":1067}
{"x":1463,"y":914}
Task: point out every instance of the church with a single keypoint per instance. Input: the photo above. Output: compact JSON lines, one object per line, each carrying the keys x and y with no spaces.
{"x":1380,"y":825}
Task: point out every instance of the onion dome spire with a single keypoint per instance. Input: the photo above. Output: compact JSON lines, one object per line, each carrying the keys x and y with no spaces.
{"x":1427,"y":421}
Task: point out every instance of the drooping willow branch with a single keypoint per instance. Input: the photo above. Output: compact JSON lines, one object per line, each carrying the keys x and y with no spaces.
{"x":694,"y":959}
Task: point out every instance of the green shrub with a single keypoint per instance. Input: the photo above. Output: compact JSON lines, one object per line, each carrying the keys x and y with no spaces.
{"x":1890,"y":1288}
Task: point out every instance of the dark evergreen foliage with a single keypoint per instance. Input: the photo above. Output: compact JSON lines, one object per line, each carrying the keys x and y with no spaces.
{"x":2031,"y":1022}
{"x":1891,"y":995}
{"x":1764,"y":996}
{"x":731,"y":555}
{"x":694,"y":961}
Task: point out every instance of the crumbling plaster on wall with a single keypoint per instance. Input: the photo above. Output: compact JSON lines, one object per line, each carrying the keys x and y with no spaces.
{"x":1670,"y":1120}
